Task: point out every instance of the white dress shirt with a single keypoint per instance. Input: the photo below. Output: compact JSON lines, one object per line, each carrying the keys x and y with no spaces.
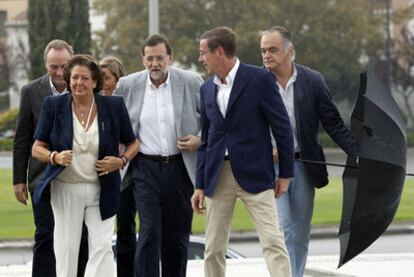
{"x":54,"y":90}
{"x":224,"y":90}
{"x":157,"y":133}
{"x":288,"y":99}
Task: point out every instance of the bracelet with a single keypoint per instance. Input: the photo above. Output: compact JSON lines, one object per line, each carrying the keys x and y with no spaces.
{"x":124,"y":161}
{"x":52,"y":157}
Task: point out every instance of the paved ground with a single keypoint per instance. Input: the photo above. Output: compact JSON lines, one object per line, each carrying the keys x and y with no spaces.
{"x":374,"y":265}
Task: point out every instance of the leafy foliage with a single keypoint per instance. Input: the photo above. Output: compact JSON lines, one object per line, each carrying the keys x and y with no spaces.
{"x":8,"y":120}
{"x":330,"y":36}
{"x":57,"y":19}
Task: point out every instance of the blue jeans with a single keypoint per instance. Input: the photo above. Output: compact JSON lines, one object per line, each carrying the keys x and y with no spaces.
{"x":295,"y":209}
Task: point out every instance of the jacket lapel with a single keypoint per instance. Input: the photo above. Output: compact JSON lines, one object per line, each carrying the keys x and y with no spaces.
{"x":298,"y":89}
{"x":44,"y":86}
{"x":210,"y":95}
{"x":239,"y":83}
{"x":177,"y":91}
{"x":135,"y":99}
{"x":103,"y":124}
{"x":66,"y":120}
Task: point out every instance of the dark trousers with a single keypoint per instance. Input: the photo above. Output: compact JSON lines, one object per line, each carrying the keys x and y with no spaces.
{"x":126,"y":230}
{"x":162,"y":193}
{"x":44,"y":262}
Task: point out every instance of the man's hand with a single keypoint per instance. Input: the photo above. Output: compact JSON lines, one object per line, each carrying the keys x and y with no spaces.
{"x":197,"y":201}
{"x":20,"y":191}
{"x":282,"y":186}
{"x":189,"y":143}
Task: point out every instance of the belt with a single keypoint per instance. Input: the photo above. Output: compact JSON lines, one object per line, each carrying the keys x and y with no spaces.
{"x":159,"y":158}
{"x":227,"y":158}
{"x":298,"y":155}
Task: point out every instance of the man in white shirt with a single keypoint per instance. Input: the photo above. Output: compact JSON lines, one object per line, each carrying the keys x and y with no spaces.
{"x":308,"y":102}
{"x":163,"y":104}
{"x":26,"y":170}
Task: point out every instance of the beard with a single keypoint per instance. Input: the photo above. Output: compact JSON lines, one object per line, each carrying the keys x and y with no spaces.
{"x":157,"y":75}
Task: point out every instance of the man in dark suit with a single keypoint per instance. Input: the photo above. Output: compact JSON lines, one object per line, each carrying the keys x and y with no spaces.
{"x":238,"y":106}
{"x":308,"y":102}
{"x":28,"y":170}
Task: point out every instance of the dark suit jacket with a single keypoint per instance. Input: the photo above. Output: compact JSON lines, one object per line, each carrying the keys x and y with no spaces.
{"x":313,"y":105}
{"x":254,"y":105}
{"x":25,"y":168}
{"x":56,"y":128}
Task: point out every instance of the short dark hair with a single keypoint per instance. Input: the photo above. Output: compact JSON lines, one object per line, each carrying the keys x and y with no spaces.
{"x":223,"y":37}
{"x":59,"y":45}
{"x":155,"y":40}
{"x":91,"y":63}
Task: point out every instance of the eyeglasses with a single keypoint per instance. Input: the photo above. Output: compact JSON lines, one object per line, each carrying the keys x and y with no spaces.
{"x":203,"y":53}
{"x":159,"y":59}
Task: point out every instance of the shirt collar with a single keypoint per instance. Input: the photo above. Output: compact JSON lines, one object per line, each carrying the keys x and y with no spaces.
{"x":292,"y":78}
{"x":230,"y":77}
{"x":54,"y":90}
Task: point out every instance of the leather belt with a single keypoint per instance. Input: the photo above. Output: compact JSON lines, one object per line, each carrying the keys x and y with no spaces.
{"x":226,"y":158}
{"x":159,"y":158}
{"x":298,"y":155}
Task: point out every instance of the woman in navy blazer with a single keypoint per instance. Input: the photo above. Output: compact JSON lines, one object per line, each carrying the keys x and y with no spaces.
{"x":78,"y":135}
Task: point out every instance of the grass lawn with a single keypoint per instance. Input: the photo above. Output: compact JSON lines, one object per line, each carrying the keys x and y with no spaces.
{"x":16,"y":220}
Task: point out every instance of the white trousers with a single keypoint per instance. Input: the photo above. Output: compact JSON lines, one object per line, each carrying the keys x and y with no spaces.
{"x":72,"y":204}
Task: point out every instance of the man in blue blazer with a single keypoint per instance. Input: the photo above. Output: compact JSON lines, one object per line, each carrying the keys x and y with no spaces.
{"x":239,"y":104}
{"x":308,"y":102}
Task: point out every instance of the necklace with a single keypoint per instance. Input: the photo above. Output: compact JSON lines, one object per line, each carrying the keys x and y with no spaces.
{"x":83,"y":136}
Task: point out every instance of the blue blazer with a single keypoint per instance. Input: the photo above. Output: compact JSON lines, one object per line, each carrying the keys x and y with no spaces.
{"x":313,"y":105}
{"x":55,"y":127}
{"x":254,"y":107}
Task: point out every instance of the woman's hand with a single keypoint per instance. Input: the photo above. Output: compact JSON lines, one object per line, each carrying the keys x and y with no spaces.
{"x":63,"y":158}
{"x":108,"y":164}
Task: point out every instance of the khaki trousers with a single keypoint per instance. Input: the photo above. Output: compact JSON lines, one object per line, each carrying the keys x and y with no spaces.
{"x":262,"y":210}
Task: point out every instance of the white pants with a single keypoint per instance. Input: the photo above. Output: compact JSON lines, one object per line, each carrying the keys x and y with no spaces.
{"x":71,"y":204}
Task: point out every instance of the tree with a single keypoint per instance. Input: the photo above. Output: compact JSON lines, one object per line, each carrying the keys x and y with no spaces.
{"x":403,"y":63}
{"x":330,"y":36}
{"x":52,"y":19}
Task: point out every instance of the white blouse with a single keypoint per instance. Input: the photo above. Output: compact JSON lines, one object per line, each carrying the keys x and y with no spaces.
{"x":85,"y":153}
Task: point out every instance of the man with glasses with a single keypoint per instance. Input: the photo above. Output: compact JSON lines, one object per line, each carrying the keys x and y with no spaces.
{"x":28,"y":170}
{"x":163,"y":104}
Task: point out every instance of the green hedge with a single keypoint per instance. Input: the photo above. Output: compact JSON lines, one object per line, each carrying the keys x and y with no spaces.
{"x":6,"y":144}
{"x":8,"y":119}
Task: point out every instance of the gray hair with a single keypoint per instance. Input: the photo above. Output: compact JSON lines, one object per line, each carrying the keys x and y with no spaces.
{"x":59,"y":45}
{"x":285,"y":34}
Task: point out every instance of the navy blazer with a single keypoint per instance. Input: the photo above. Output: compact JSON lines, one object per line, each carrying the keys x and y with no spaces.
{"x":254,"y":106}
{"x":313,"y":105}
{"x":55,"y":127}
